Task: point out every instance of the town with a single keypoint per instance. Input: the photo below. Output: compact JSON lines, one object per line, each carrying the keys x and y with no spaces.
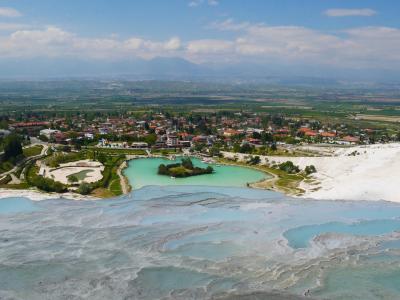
{"x":247,"y":132}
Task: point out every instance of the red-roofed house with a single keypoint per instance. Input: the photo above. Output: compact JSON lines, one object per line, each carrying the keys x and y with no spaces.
{"x":350,"y":140}
{"x":310,"y":133}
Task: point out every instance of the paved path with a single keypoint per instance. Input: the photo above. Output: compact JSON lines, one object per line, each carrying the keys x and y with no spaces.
{"x":14,"y":179}
{"x":25,"y":160}
{"x":124,"y":181}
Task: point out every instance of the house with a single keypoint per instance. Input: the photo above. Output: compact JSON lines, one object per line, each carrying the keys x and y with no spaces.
{"x":185,"y":144}
{"x":254,"y":141}
{"x":103,"y":131}
{"x":328,"y":134}
{"x":311,"y":133}
{"x":89,"y":136}
{"x":200,"y":139}
{"x":139,"y":145}
{"x":160,"y":144}
{"x":60,"y":137}
{"x":350,"y":140}
{"x":172,"y":141}
{"x":32,"y":128}
{"x":254,"y":130}
{"x":282,"y":131}
{"x":231,"y":132}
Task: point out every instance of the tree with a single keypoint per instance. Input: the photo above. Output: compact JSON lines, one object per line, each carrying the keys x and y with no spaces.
{"x":187,"y":163}
{"x":267,"y":137}
{"x":84,"y":188}
{"x":150,"y":139}
{"x":289,"y":167}
{"x":73,"y":179}
{"x":214,"y":151}
{"x":12,"y":147}
{"x":162,"y":169}
{"x":310,"y":169}
{"x":254,"y":160}
{"x":246,"y":148}
{"x":3,"y":124}
{"x":66,"y":148}
{"x":236,"y":147}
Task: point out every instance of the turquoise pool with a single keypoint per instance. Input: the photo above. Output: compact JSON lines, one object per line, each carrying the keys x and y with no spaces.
{"x":143,"y":172}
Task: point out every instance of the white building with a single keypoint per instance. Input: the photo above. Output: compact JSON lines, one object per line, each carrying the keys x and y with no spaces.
{"x":49,"y":133}
{"x":89,"y":136}
{"x":4,"y":132}
{"x":172,"y":141}
{"x":139,"y":145}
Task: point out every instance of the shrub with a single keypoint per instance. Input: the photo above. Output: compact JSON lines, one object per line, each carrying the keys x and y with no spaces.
{"x":187,"y":163}
{"x":162,"y":170}
{"x":246,"y":148}
{"x":310,"y":169}
{"x":289,"y":167}
{"x":48,"y":185}
{"x":73,"y":179}
{"x":254,"y":160}
{"x":85,"y":188}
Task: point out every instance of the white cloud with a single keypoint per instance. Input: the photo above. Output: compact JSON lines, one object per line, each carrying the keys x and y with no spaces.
{"x":229,"y":25}
{"x":55,"y":42}
{"x":9,"y":12}
{"x":363,"y":47}
{"x":13,"y":26}
{"x":195,"y":3}
{"x":209,"y":46}
{"x":173,"y":44}
{"x":345,"y":12}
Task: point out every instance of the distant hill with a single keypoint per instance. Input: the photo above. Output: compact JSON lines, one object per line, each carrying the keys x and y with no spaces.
{"x":152,"y":69}
{"x":173,"y":68}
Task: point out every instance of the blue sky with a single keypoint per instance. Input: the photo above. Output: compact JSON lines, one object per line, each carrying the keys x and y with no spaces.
{"x":159,"y":19}
{"x":340,"y":33}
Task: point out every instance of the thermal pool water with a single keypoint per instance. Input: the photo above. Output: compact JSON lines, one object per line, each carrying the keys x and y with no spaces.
{"x":199,"y":242}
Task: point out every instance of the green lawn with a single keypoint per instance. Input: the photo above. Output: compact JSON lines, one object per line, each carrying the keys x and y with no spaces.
{"x":115,"y":187}
{"x":33,"y":151}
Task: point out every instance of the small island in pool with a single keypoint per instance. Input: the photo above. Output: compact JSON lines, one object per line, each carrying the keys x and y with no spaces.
{"x":183,"y":169}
